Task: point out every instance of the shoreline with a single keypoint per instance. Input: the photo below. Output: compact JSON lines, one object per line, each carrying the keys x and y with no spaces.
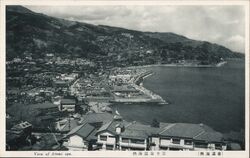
{"x":138,"y":84}
{"x":181,"y":65}
{"x":147,"y":96}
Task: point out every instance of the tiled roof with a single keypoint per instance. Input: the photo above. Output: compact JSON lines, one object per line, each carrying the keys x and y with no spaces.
{"x":21,"y":126}
{"x":131,"y":130}
{"x":163,"y":124}
{"x":85,"y":131}
{"x":105,"y":126}
{"x":138,"y":130}
{"x":73,"y":123}
{"x":210,"y":137}
{"x":111,"y":126}
{"x":45,"y":105}
{"x":182,"y":130}
{"x":97,"y":117}
{"x":133,"y":133}
{"x":68,"y":101}
{"x":194,"y":131}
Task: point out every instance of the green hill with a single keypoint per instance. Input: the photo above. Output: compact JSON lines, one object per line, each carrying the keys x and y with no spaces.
{"x":39,"y":34}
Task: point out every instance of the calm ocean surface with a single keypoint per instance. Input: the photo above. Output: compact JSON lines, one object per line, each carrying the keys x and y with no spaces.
{"x":212,"y":96}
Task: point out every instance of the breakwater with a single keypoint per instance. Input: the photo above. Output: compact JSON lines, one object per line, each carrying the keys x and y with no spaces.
{"x":147,"y":97}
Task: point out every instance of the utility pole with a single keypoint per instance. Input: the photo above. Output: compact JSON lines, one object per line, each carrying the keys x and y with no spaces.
{"x":69,"y":123}
{"x":54,"y":136}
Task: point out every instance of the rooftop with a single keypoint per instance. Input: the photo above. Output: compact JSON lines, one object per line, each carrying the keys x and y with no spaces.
{"x":188,"y":130}
{"x":85,"y":131}
{"x":111,"y":126}
{"x":68,"y":101}
{"x":67,"y":124}
{"x":131,"y":130}
{"x":210,"y":136}
{"x":21,"y":126}
{"x":124,"y":88}
{"x":45,"y":105}
{"x":97,"y":117}
{"x":138,"y":130}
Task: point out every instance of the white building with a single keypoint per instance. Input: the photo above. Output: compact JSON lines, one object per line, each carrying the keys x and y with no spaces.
{"x":68,"y":105}
{"x":107,"y":135}
{"x":121,"y":135}
{"x":113,"y":133}
{"x":80,"y":138}
{"x":185,"y":136}
{"x":136,"y":137}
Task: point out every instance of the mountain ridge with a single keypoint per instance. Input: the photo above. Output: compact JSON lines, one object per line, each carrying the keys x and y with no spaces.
{"x":38,"y":34}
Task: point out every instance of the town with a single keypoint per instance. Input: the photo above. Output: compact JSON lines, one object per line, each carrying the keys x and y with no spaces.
{"x":64,"y":78}
{"x":63,"y":104}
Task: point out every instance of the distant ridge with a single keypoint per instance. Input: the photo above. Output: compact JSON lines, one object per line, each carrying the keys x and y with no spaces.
{"x":18,"y":8}
{"x":38,"y":34}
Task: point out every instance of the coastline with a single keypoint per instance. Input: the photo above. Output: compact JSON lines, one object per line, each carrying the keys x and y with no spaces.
{"x":221,"y":63}
{"x":230,"y":67}
{"x":138,"y":84}
{"x":146,"y":95}
{"x":181,"y":65}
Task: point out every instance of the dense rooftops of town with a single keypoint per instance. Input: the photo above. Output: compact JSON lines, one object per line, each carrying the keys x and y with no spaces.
{"x":76,"y":105}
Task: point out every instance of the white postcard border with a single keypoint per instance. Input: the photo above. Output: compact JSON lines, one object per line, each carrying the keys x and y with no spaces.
{"x":228,"y":154}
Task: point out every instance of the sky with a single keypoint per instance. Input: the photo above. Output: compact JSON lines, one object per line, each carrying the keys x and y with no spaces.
{"x":224,"y":25}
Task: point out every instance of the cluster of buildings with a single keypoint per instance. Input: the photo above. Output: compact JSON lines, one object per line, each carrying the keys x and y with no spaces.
{"x":124,"y":49}
{"x":95,"y":130}
{"x":103,"y":131}
{"x":107,"y":131}
{"x":77,"y":61}
{"x":64,"y":81}
{"x":126,"y":87}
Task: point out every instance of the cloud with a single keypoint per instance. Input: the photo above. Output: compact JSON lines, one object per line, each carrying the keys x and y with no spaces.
{"x":217,"y":24}
{"x":237,"y":42}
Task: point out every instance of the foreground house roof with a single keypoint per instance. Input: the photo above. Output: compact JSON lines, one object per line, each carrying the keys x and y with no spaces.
{"x":138,"y":130}
{"x":67,"y":124}
{"x":129,"y":129}
{"x":192,"y":131}
{"x":86,"y":131}
{"x":210,"y":136}
{"x":111,"y":126}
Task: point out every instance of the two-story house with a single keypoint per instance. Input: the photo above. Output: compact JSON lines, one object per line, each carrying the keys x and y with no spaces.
{"x":136,"y":136}
{"x":108,"y":134}
{"x":122,"y":135}
{"x":185,"y":136}
{"x":80,"y":138}
{"x":96,"y":119}
{"x":68,"y":105}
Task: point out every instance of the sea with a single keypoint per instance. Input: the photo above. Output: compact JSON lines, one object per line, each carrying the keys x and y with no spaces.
{"x":214,"y":96}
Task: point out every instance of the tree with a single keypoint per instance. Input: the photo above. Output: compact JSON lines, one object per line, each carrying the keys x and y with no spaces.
{"x":155,"y":123}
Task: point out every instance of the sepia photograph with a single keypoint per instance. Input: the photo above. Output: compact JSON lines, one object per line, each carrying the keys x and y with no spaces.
{"x":141,"y":78}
